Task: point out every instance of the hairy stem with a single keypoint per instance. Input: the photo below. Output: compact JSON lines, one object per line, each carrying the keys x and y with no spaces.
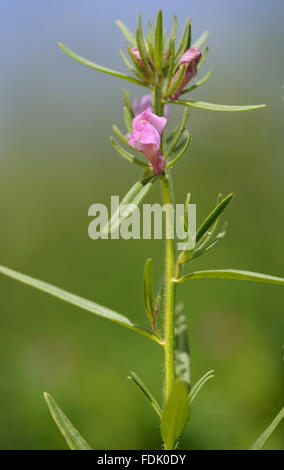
{"x":169,"y":314}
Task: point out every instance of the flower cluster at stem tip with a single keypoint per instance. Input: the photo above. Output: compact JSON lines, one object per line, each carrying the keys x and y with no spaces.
{"x":147,"y":127}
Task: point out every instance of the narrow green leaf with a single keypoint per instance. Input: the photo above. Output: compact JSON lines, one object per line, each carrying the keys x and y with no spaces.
{"x":216,"y":107}
{"x":120,"y":134}
{"x":73,"y":299}
{"x":175,"y":415}
{"x":198,"y":386}
{"x":140,"y":72}
{"x":127,"y":34}
{"x":198,"y":83}
{"x":127,"y":103}
{"x":140,"y":384}
{"x":127,"y":63}
{"x":173,"y":88}
{"x":233,"y":274}
{"x":159,"y":41}
{"x":127,"y":155}
{"x":208,"y":244}
{"x":129,"y":203}
{"x":142,"y":48}
{"x":100,"y":68}
{"x":177,"y":133}
{"x":213,"y":216}
{"x":184,"y":41}
{"x":203,"y":58}
{"x":127,"y":119}
{"x":182,"y":346}
{"x":171,"y":61}
{"x":150,"y":42}
{"x":73,"y":438}
{"x":148,"y":290}
{"x":174,"y":160}
{"x":268,"y":431}
{"x":201,"y":40}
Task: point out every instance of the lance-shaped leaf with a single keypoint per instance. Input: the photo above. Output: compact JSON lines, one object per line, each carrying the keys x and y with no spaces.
{"x":268,"y":431}
{"x":127,"y":34}
{"x":213,"y":216}
{"x":127,"y":119}
{"x":148,"y":290}
{"x":198,"y":386}
{"x":177,"y":82}
{"x":184,"y":42}
{"x":73,"y":299}
{"x":175,"y":415}
{"x":201,"y":40}
{"x":175,"y":136}
{"x":232,"y":274}
{"x":208,"y":244}
{"x":100,"y":68}
{"x":127,"y":103}
{"x":171,"y":61}
{"x":127,"y":155}
{"x":217,"y":107}
{"x":139,"y":71}
{"x":198,"y":83}
{"x":73,"y":438}
{"x":182,"y":346}
{"x":140,"y":384}
{"x":158,"y":49}
{"x":122,"y":137}
{"x":142,"y":48}
{"x":129,"y":203}
{"x":180,"y":154}
{"x":127,"y":63}
{"x":203,"y":58}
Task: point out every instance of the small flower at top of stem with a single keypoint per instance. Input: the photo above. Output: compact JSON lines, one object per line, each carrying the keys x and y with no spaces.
{"x":190,"y":58}
{"x":146,"y":137}
{"x":141,"y":104}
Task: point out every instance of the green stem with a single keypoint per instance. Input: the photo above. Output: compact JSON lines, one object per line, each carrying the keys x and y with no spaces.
{"x":169,"y":315}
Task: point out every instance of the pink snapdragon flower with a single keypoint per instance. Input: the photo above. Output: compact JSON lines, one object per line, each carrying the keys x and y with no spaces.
{"x":146,"y":137}
{"x":191,"y":58}
{"x":141,"y":104}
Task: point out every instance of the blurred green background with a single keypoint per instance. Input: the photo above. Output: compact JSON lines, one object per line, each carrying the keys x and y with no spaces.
{"x":56,"y":160}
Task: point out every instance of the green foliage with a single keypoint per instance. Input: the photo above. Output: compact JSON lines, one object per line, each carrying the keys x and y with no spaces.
{"x":73,"y":438}
{"x":175,"y":415}
{"x":268,"y":431}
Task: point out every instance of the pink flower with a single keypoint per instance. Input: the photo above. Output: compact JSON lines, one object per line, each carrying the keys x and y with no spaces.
{"x":146,"y":137}
{"x":191,"y":58}
{"x":141,"y":104}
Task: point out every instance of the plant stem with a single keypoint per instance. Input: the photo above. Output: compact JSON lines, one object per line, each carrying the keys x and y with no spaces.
{"x":170,"y":286}
{"x":169,"y":315}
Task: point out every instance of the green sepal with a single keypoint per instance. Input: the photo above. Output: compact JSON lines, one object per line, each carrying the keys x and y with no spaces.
{"x":174,"y":138}
{"x":198,"y":83}
{"x":177,"y":82}
{"x":181,"y":153}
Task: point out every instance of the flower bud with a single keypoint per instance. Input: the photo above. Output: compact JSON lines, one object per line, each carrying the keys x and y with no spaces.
{"x":190,"y":58}
{"x":137,"y":56}
{"x":146,"y":137}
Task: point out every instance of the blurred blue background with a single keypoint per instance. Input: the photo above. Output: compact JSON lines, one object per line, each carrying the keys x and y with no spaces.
{"x":56,"y":160}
